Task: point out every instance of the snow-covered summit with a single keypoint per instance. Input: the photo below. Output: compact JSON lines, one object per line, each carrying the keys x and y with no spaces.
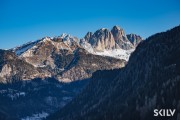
{"x":67,"y":39}
{"x":23,"y":48}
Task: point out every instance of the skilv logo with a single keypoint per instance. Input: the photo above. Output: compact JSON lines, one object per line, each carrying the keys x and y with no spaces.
{"x":164,"y":112}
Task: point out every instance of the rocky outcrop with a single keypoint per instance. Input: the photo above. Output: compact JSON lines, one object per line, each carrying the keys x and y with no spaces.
{"x":84,"y":64}
{"x":121,"y":39}
{"x":134,"y":39}
{"x":40,"y":54}
{"x":13,"y":69}
{"x":88,"y":36}
{"x":103,"y":39}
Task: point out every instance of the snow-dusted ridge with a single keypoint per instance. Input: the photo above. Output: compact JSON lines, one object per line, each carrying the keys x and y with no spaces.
{"x":32,"y":45}
{"x":115,"y":53}
{"x":23,"y":48}
{"x":27,"y":49}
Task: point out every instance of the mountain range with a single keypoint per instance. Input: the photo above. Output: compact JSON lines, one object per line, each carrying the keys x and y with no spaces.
{"x":61,"y":56}
{"x":51,"y":71}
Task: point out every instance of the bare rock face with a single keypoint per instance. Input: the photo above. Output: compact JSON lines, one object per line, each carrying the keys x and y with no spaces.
{"x":41,"y":54}
{"x":134,"y":39}
{"x":85,"y":64}
{"x":88,"y":36}
{"x":118,"y":33}
{"x":6,"y":71}
{"x":13,"y":69}
{"x":102,"y":39}
{"x":121,"y":38}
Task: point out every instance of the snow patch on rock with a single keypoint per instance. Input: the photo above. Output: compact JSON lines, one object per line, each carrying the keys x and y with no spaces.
{"x":38,"y":116}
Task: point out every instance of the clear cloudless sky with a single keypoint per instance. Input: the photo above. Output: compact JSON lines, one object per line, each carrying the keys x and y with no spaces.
{"x":28,"y":20}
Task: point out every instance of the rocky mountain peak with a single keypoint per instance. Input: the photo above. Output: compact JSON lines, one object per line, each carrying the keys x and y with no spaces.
{"x":68,"y":39}
{"x":88,"y":36}
{"x":116,"y":28}
{"x":101,"y":32}
{"x":134,"y":39}
{"x":112,"y":42}
{"x":6,"y":55}
{"x":103,"y":29}
{"x":12,"y":68}
{"x":102,"y":39}
{"x":121,"y":38}
{"x":118,"y":33}
{"x":63,"y":35}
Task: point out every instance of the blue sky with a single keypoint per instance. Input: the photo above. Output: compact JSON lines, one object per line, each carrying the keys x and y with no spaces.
{"x":27,"y":20}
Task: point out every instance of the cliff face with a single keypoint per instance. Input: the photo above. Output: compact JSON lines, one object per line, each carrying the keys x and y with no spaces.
{"x":134,"y":39}
{"x":103,"y":39}
{"x":84,"y":64}
{"x":13,"y":69}
{"x":113,"y":43}
{"x":121,"y":39}
{"x":149,"y":81}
